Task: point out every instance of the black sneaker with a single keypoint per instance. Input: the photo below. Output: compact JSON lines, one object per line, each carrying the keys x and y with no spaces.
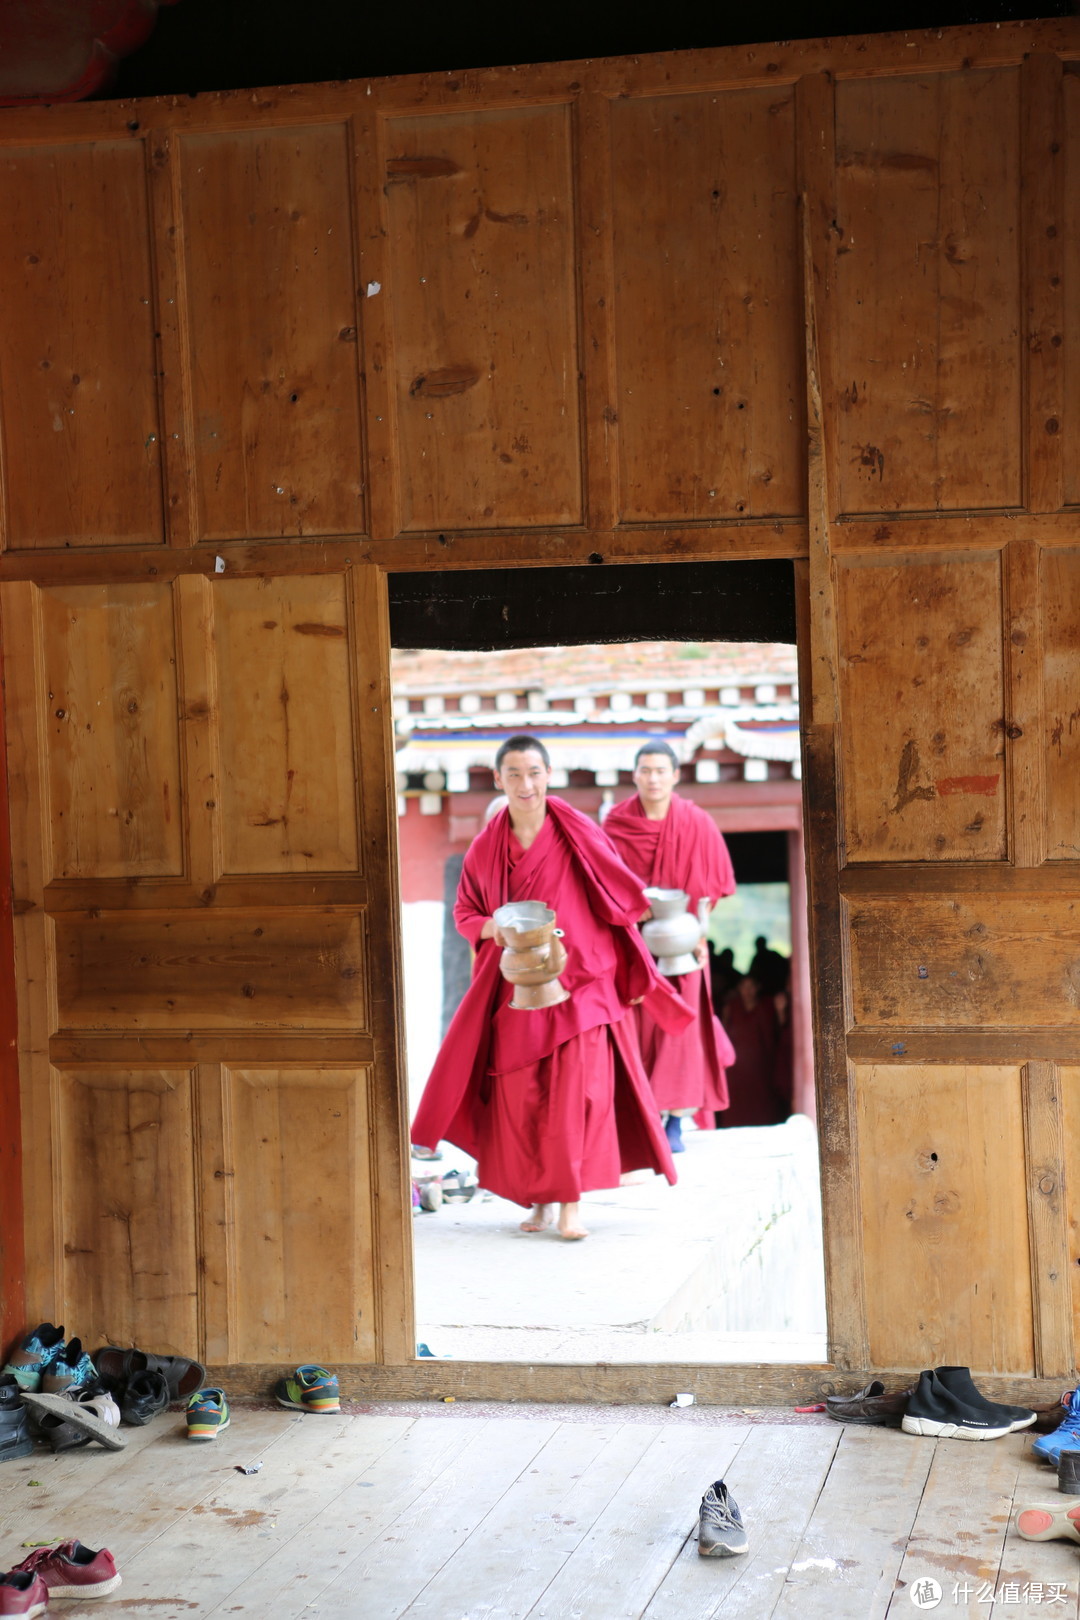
{"x":146,"y":1396}
{"x":15,"y":1436}
{"x":959,"y":1381}
{"x":720,"y":1526}
{"x":933,"y":1409}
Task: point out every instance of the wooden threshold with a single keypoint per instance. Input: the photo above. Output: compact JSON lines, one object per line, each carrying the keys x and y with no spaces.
{"x":608,"y":1383}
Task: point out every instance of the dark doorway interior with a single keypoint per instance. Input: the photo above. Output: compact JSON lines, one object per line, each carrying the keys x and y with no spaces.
{"x":758,"y":857}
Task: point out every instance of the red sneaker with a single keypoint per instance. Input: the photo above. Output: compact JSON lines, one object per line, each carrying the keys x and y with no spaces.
{"x":24,"y":1594}
{"x":72,"y":1570}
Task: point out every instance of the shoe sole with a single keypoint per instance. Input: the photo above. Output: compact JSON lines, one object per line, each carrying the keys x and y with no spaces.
{"x":206,"y":1431}
{"x":99,"y":1589}
{"x":23,"y":1449}
{"x":930,"y":1427}
{"x":32,"y":1613}
{"x":875,"y":1422}
{"x":720,"y":1551}
{"x":331,"y":1405}
{"x":80,"y":1417}
{"x":1049,"y":1521}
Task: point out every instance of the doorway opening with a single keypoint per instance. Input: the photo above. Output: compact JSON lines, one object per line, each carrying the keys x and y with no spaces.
{"x":726,"y":1266}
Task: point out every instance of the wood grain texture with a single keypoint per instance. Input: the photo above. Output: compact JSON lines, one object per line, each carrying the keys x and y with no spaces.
{"x":127,"y":1192}
{"x":273,"y":357}
{"x":1070,"y":247}
{"x":1069,"y":1084}
{"x":990,"y":961}
{"x":1059,"y":734}
{"x":927,"y":273}
{"x":79,"y":418}
{"x":944,"y":1217}
{"x":707,"y":322}
{"x":1025,"y":756}
{"x":480,"y":215}
{"x":1044,"y":246}
{"x":284,"y":656}
{"x":921,"y":687}
{"x":212,"y":972}
{"x":1048,"y":1199}
{"x":298,"y":1213}
{"x":109,"y":708}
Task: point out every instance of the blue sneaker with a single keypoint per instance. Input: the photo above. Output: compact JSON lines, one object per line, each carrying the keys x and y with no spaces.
{"x":36,"y":1352}
{"x":1066,"y":1437}
{"x":673,"y":1132}
{"x":71,"y":1367}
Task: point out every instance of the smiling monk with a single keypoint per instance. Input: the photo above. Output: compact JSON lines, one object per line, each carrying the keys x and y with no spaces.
{"x":551,"y":1102}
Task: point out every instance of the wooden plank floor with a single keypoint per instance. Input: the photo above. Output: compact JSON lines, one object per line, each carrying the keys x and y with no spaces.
{"x":560,"y":1514}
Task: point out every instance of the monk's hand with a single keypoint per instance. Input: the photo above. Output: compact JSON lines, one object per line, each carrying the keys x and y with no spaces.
{"x":646,"y":915}
{"x":701,"y":953}
{"x":490,"y":930}
{"x":637,"y":1001}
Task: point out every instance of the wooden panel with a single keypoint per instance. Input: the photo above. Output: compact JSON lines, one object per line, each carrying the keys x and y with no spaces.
{"x":928,"y":292}
{"x":211,"y":972}
{"x":1069,"y":1081}
{"x":78,"y":390}
{"x":300,"y":1214}
{"x":1060,"y":733}
{"x":1048,"y":1190}
{"x":480,"y":214}
{"x":127,"y":1192}
{"x":944,"y":1217}
{"x":110,"y":713}
{"x":991,"y":960}
{"x":288,"y":762}
{"x":922,"y":694}
{"x":710,"y":394}
{"x":1070,"y":332}
{"x":273,"y":352}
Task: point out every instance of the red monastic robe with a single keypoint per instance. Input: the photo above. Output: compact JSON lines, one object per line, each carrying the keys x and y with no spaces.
{"x":551,"y":1102}
{"x":685,"y":850}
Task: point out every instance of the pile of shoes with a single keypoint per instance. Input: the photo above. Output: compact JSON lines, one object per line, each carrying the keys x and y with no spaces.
{"x":51,"y":1389}
{"x":54,"y":1391}
{"x":944,"y":1403}
{"x":1048,"y":1521}
{"x":69,"y":1570}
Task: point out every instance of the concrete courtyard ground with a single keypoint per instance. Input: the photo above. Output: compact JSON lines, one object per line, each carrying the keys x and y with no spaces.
{"x":725,"y":1266}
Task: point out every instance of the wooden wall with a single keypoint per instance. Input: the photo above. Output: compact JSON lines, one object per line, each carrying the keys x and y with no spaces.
{"x":815,"y":301}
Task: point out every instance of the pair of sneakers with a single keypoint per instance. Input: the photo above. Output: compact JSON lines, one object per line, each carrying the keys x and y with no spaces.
{"x":69,"y":1570}
{"x":43,"y":1361}
{"x":946,"y":1404}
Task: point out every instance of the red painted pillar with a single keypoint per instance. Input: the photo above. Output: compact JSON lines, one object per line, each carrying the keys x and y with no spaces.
{"x":12,"y":1255}
{"x":802,"y":1030}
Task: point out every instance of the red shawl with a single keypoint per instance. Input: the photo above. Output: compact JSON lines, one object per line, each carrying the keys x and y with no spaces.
{"x":684,"y":851}
{"x":608,"y":966}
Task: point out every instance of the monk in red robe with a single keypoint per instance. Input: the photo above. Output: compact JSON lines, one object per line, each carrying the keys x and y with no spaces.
{"x":551,"y":1102}
{"x":669,"y":843}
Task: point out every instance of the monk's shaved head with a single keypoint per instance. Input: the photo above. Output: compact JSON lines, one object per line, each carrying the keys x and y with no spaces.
{"x":521,"y":745}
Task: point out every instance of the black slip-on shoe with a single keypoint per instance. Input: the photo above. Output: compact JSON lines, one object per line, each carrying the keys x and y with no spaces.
{"x":720,"y":1527}
{"x":959,"y":1381}
{"x":146,"y":1396}
{"x":935,"y":1410}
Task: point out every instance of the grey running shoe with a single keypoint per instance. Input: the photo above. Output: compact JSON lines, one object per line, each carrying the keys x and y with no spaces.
{"x":720,"y":1526}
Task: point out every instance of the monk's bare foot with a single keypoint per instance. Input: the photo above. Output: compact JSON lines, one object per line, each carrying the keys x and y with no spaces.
{"x":539,"y":1220}
{"x":570,"y":1226}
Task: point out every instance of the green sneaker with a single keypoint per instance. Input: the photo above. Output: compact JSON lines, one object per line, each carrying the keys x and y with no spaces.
{"x":310,"y":1389}
{"x":207,"y":1414}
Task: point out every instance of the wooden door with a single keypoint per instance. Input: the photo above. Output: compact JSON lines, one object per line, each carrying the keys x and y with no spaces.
{"x":205,"y":941}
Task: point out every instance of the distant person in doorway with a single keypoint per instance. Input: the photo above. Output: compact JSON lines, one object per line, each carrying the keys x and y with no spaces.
{"x":749,"y":1016}
{"x":671,"y":843}
{"x":723,"y":974}
{"x":551,"y":1102}
{"x":770,"y":968}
